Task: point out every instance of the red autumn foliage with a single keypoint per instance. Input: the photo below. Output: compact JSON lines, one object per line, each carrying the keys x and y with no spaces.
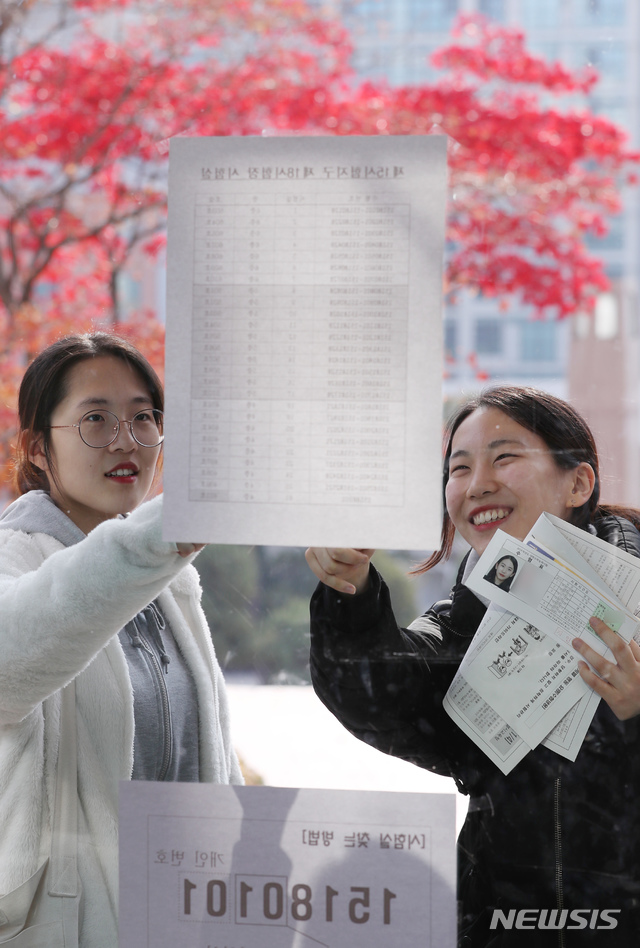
{"x":90,"y":89}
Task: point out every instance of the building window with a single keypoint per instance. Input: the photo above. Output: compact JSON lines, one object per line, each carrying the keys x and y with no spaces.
{"x":375,"y":8}
{"x":488,"y":336}
{"x":369,"y":17}
{"x":610,"y":59}
{"x":612,"y":240}
{"x":373,"y":61}
{"x":613,"y":107}
{"x":601,"y":12}
{"x":431,"y":14}
{"x":538,"y":341}
{"x":416,"y":62}
{"x":547,"y":49}
{"x":494,"y":9}
{"x":539,"y":14}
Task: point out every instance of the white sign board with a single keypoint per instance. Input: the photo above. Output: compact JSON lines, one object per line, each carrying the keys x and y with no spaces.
{"x":265,"y":867}
{"x":304,"y":354}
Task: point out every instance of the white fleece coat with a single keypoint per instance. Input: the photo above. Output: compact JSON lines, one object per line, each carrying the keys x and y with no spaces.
{"x":60,"y":612}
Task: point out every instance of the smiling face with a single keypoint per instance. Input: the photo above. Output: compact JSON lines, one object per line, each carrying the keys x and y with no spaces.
{"x":95,"y":484}
{"x":502,"y":475}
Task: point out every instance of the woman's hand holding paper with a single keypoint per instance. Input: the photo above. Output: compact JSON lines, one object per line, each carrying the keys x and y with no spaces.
{"x":617,"y":682}
{"x":186,"y":549}
{"x":345,"y":570}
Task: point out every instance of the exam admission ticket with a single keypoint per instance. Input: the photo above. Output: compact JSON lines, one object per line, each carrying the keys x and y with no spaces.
{"x":550,"y":594}
{"x":262,"y":867}
{"x":615,"y":567}
{"x":303,"y":340}
{"x":518,"y":684}
{"x":516,"y":688}
{"x":531,"y":678}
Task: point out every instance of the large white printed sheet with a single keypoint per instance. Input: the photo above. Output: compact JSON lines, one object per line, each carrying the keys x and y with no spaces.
{"x":304,"y":356}
{"x":273,"y":867}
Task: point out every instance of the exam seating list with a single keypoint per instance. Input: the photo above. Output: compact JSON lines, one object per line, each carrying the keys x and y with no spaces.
{"x":299,"y":347}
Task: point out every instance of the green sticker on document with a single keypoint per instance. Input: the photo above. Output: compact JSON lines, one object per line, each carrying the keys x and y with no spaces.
{"x":611,"y":617}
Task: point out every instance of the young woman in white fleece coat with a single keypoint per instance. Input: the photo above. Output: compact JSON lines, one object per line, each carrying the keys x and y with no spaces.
{"x":89,"y":594}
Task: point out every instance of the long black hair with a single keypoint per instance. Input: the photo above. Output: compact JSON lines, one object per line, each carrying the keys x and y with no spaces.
{"x":563,"y":430}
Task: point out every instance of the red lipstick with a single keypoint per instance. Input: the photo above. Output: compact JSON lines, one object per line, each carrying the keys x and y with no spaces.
{"x":129,"y":477}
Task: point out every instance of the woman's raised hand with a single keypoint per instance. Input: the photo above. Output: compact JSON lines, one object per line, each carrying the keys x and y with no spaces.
{"x":617,"y":682}
{"x":345,"y":570}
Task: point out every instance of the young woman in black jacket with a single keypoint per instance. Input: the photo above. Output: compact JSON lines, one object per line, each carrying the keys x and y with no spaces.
{"x":552,"y":834}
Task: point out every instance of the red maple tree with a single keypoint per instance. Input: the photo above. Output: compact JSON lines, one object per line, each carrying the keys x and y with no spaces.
{"x":91,"y":89}
{"x":528,"y":181}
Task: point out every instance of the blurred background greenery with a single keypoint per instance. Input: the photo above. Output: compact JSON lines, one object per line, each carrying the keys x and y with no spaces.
{"x":257,"y":603}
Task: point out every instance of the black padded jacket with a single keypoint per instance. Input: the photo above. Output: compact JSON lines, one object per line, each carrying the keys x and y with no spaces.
{"x":552,"y":834}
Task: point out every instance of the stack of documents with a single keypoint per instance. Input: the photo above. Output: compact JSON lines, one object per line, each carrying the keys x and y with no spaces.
{"x":518,"y":684}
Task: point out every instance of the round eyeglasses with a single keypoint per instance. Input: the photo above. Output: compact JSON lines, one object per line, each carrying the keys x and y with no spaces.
{"x":99,"y":428}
